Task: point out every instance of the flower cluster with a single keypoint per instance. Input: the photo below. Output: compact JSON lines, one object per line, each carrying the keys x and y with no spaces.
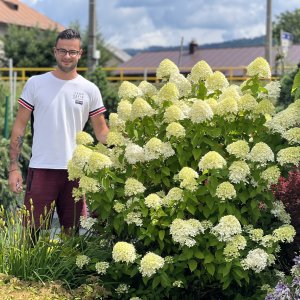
{"x":101,"y":267}
{"x":256,"y":260}
{"x":133,"y":187}
{"x":238,"y":172}
{"x":150,"y":263}
{"x":228,"y":227}
{"x":124,"y":252}
{"x":87,"y":222}
{"x":187,"y":177}
{"x":259,"y":67}
{"x":212,"y":160}
{"x":225,"y":190}
{"x":183,"y":231}
{"x":239,"y":149}
{"x":82,"y":260}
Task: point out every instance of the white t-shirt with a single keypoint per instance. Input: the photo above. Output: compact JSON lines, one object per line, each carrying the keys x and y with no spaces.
{"x":60,"y":110}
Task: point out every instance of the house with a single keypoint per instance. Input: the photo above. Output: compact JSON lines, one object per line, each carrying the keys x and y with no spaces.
{"x":231,"y":61}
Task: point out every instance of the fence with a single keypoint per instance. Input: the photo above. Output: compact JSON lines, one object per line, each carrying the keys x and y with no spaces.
{"x":130,"y":74}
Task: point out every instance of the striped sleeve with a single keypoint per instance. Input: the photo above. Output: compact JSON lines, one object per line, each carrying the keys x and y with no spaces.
{"x":26,"y":104}
{"x":97,"y":111}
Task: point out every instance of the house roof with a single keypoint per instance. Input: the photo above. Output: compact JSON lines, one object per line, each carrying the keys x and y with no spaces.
{"x":119,"y":53}
{"x":17,"y":13}
{"x":216,"y":58}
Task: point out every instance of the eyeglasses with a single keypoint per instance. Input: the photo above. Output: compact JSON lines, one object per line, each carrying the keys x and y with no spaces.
{"x":63,"y":52}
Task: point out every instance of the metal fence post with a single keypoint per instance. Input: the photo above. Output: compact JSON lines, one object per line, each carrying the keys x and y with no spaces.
{"x":6,"y":118}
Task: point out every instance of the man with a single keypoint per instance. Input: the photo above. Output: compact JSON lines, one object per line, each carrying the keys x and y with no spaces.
{"x":59,"y":104}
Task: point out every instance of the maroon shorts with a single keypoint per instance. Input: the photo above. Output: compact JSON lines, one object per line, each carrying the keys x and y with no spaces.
{"x":45,"y":186}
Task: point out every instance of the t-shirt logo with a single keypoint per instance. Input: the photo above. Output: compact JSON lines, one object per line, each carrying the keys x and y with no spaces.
{"x":78,"y":97}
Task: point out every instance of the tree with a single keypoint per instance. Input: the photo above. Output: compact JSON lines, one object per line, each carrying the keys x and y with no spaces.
{"x":30,"y":47}
{"x":287,"y":21}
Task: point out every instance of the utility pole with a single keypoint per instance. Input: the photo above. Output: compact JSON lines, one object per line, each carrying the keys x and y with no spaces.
{"x":92,"y":53}
{"x":268,"y":43}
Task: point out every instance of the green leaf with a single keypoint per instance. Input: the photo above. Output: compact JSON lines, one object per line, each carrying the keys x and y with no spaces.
{"x":296,"y":83}
{"x":197,"y":153}
{"x":191,"y":209}
{"x":161,"y":234}
{"x":211,"y":269}
{"x":165,"y":171}
{"x":208,"y":258}
{"x":155,"y":282}
{"x":227,"y":269}
{"x":192,"y":265}
{"x":199,"y":254}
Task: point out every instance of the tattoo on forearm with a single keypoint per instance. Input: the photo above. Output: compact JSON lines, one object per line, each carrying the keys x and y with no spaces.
{"x":15,"y":150}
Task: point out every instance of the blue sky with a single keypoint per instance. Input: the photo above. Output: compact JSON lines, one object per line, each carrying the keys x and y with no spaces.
{"x":143,"y":23}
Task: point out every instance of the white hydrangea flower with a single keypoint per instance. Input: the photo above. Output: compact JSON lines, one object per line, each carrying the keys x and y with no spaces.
{"x":122,"y":289}
{"x":173,"y":113}
{"x":290,"y":155}
{"x":271,"y":175}
{"x":239,"y":149}
{"x":124,"y":110}
{"x":168,"y":92}
{"x":82,"y":260}
{"x":155,"y":148}
{"x":292,"y":135}
{"x":148,"y":89}
{"x":227,"y":227}
{"x":238,"y":172}
{"x":87,"y":222}
{"x":273,"y":89}
{"x":153,"y":201}
{"x":183,"y":85}
{"x":128,"y":90}
{"x":256,"y":234}
{"x":83,"y":138}
{"x":211,"y":160}
{"x":261,"y":153}
{"x":115,"y":123}
{"x":225,"y":190}
{"x":188,"y":177}
{"x":134,"y":217}
{"x":256,"y":260}
{"x":119,"y":207}
{"x":231,"y":92}
{"x":133,"y":187}
{"x":285,"y":233}
{"x":200,"y":71}
{"x":259,"y":67}
{"x":184,"y":231}
{"x":174,"y":196}
{"x":150,"y":263}
{"x":216,"y":81}
{"x":98,"y":161}
{"x":226,"y":106}
{"x":165,"y":69}
{"x":176,"y":130}
{"x":115,"y":138}
{"x":233,"y":247}
{"x":74,"y":172}
{"x":89,"y":185}
{"x":200,"y":111}
{"x":265,"y":107}
{"x":134,"y":153}
{"x":101,"y":267}
{"x":140,"y":109}
{"x":213,"y":103}
{"x":247,"y":103}
{"x":279,"y":212}
{"x":124,"y":252}
{"x":81,"y":156}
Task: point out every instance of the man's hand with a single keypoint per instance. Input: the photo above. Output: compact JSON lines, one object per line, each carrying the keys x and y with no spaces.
{"x":15,"y":181}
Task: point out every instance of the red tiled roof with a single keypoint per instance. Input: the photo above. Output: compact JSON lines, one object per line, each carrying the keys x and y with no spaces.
{"x":17,"y":13}
{"x":216,"y":58}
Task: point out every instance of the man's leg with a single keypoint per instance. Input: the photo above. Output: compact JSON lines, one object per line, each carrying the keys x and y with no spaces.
{"x":41,"y":193}
{"x":68,"y":210}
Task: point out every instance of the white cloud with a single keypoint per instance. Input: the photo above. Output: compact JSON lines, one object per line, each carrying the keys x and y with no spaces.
{"x":139,"y":24}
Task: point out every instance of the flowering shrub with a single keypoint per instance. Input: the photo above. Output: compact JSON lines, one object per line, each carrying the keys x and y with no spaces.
{"x":183,"y":189}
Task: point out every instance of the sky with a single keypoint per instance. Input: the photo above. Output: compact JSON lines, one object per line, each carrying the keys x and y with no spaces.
{"x":142,"y":23}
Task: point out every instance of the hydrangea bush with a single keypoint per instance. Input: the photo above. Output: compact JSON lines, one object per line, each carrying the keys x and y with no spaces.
{"x":183,"y":188}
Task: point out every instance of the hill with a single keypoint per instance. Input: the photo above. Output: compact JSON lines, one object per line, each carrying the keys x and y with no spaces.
{"x":257,"y":41}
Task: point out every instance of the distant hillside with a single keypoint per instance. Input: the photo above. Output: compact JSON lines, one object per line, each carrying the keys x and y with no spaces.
{"x":258,"y":41}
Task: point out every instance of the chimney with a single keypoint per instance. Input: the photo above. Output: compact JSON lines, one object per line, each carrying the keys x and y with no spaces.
{"x":193,"y":47}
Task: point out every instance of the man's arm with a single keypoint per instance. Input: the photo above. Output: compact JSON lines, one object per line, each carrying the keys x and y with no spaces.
{"x":16,"y":141}
{"x":100,"y":127}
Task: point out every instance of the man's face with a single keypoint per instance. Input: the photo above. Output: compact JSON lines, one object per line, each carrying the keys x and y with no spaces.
{"x":67,"y":54}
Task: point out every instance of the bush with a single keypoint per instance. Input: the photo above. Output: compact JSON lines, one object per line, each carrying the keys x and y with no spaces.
{"x":184,"y":191}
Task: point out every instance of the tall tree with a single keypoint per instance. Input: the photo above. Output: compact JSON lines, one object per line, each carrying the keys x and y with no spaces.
{"x":287,"y":21}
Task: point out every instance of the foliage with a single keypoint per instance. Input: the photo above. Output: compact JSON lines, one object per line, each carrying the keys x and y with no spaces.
{"x":37,"y":254}
{"x":29,"y":47}
{"x":287,"y":21}
{"x":287,"y":83}
{"x":184,"y":191}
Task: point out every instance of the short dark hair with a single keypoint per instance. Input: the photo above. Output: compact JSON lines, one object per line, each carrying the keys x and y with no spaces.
{"x":68,"y":34}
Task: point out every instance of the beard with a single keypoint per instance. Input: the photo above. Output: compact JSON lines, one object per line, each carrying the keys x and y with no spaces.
{"x":67,"y":69}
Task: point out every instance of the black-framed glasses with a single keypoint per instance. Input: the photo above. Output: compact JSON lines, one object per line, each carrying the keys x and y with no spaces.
{"x":63,"y":52}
